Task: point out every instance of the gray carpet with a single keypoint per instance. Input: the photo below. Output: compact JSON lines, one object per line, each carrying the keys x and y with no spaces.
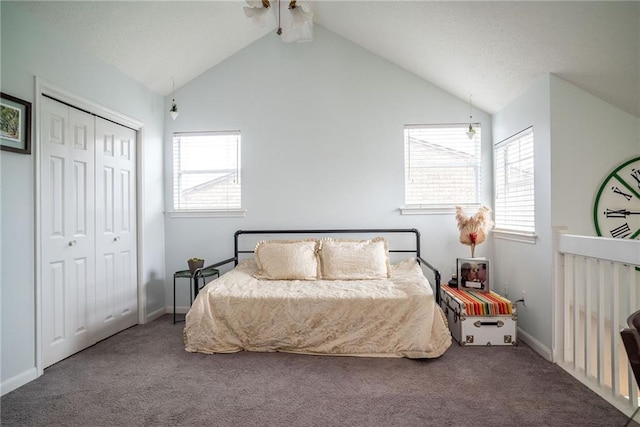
{"x":143,"y":376}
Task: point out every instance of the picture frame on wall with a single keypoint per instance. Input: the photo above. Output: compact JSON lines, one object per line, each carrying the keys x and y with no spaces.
{"x":15,"y":124}
{"x":474,"y":274}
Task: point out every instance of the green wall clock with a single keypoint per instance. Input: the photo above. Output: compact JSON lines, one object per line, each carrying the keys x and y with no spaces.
{"x":616,"y":211}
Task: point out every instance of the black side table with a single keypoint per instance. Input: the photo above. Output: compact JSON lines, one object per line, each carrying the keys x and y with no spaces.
{"x":193,"y":284}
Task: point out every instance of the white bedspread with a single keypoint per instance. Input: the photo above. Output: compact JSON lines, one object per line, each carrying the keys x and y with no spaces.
{"x":395,"y":317}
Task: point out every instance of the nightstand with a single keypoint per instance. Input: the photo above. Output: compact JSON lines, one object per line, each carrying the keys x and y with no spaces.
{"x":194,"y":284}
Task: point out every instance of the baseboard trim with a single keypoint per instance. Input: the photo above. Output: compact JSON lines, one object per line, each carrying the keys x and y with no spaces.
{"x":156,"y":314}
{"x":536,"y":345}
{"x":18,"y":381}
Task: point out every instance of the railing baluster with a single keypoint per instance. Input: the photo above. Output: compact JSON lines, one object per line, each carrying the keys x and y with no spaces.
{"x":601,"y":316}
{"x":568,"y":298}
{"x":588,"y":342}
{"x":580,"y":315}
{"x":615,"y":312}
{"x":597,"y":281}
{"x":631,"y":307}
{"x":576,"y":314}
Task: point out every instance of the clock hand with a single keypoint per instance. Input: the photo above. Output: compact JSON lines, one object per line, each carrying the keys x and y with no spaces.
{"x":619,"y":213}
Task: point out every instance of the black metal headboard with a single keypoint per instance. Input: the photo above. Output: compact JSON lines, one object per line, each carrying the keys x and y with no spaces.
{"x":415,"y":246}
{"x":415,"y":249}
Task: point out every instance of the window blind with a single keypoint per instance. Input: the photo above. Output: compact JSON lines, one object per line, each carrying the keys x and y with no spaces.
{"x":442,"y":166}
{"x":206,"y":171}
{"x":514,"y":181}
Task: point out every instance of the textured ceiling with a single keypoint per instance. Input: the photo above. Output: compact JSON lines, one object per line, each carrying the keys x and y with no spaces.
{"x":491,"y":50}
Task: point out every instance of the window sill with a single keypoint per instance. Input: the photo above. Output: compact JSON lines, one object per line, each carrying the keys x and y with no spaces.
{"x":436,"y":209}
{"x":515,"y":236}
{"x":235,"y":213}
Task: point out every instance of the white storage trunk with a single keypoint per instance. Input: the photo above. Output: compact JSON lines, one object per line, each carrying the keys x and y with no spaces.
{"x":477,"y":330}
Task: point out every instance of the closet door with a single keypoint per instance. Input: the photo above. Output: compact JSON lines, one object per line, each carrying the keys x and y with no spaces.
{"x":67,"y":230}
{"x":116,"y":259}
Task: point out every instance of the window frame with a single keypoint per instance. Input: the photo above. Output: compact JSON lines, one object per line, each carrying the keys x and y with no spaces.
{"x":513,"y":233}
{"x":448,"y":207}
{"x":207,"y":212}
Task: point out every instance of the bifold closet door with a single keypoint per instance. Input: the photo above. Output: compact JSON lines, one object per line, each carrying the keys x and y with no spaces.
{"x":87,"y":229}
{"x":116,"y":254}
{"x":67,"y":230}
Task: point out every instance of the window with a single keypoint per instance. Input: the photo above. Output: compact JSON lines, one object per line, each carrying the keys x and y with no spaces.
{"x":206,"y":171}
{"x":442,"y":166}
{"x":514,"y":205}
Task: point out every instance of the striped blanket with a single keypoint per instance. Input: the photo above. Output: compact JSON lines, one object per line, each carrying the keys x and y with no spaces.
{"x":480,"y":303}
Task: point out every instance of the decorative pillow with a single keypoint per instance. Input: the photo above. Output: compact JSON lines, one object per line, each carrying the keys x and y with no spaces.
{"x":287,"y":260}
{"x":342,"y":259}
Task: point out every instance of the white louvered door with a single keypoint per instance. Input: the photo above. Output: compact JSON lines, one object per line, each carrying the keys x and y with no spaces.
{"x":88,"y":229}
{"x":67,"y":212}
{"x":116,"y":272}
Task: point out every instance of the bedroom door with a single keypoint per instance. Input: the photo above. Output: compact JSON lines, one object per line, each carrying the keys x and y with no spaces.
{"x":116,"y":268}
{"x":88,"y":229}
{"x":67,"y":230}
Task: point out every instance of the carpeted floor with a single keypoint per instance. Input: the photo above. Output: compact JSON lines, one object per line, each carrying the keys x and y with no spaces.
{"x":143,"y":376}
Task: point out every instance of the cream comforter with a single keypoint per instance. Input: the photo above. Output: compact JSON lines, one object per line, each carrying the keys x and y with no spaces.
{"x":396,"y":317}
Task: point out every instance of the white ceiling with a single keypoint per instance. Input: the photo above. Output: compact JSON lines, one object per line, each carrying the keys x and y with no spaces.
{"x":491,"y":50}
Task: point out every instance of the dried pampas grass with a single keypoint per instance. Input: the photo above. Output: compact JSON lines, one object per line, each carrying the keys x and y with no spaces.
{"x":474,"y":229}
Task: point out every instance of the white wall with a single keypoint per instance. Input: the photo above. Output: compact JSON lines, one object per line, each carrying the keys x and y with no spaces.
{"x":29,"y":49}
{"x":524,"y":266}
{"x":322,"y":145}
{"x":579,"y":139}
{"x":590,"y":138}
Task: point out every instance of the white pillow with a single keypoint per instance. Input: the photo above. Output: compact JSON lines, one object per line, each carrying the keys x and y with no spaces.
{"x":342,"y":259}
{"x":287,"y":260}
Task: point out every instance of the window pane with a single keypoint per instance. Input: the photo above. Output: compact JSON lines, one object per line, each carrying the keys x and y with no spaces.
{"x":206,"y":171}
{"x":442,"y":166}
{"x":514,"y":167}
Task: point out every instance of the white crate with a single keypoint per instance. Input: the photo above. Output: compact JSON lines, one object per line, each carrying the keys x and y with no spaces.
{"x":477,"y":330}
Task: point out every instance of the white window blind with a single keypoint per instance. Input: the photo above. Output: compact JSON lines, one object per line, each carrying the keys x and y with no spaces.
{"x":514,"y":165}
{"x":442,"y":166}
{"x":206,"y":171}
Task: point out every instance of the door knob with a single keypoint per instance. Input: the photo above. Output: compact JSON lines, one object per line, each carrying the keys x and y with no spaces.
{"x":115,"y":239}
{"x":72,"y":243}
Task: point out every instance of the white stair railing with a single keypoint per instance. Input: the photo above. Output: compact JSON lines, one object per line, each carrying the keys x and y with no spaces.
{"x":596,"y":290}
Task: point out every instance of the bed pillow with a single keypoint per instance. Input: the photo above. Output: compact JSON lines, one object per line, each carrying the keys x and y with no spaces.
{"x":287,"y":260}
{"x":342,"y":259}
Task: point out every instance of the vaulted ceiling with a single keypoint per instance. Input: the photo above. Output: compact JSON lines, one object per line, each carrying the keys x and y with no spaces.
{"x":491,"y":50}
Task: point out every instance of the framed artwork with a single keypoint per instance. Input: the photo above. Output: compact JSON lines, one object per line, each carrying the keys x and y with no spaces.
{"x":15,"y":124}
{"x":474,"y":274}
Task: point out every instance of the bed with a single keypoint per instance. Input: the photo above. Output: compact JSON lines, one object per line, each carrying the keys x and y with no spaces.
{"x":319,"y":292}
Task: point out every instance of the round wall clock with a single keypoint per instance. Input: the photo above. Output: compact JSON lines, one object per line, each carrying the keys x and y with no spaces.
{"x":616,"y":211}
